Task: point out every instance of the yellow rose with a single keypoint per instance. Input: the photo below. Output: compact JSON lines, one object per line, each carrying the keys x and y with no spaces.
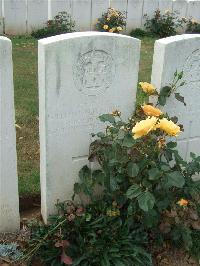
{"x":105,"y":27}
{"x":108,"y":19}
{"x":147,"y":87}
{"x":182,"y":202}
{"x":119,"y":28}
{"x":111,"y":30}
{"x":151,"y":110}
{"x":143,"y":127}
{"x":169,"y":127}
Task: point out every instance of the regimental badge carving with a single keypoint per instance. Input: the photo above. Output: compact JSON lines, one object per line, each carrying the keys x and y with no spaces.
{"x":94,"y":72}
{"x":191,"y":68}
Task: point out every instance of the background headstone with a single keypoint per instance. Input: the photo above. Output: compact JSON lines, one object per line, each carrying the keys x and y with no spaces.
{"x":60,"y":6}
{"x":9,"y":200}
{"x":81,"y":76}
{"x":134,"y":14}
{"x":181,"y":52}
{"x":15,"y":16}
{"x":98,"y":8}
{"x":37,"y":14}
{"x":82,"y":14}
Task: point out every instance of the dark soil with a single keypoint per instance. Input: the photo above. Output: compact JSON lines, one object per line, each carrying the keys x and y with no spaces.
{"x":27,"y":202}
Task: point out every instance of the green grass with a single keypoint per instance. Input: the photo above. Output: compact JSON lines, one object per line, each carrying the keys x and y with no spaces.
{"x":26,"y":103}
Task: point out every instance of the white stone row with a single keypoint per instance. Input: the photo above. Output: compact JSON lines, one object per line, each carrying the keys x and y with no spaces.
{"x":20,"y":17}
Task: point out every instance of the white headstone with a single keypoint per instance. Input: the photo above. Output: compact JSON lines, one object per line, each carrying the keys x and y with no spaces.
{"x":82,"y":14}
{"x":9,"y":200}
{"x":15,"y":16}
{"x":180,"y":6}
{"x":37,"y":14}
{"x":98,"y":8}
{"x":165,"y":5}
{"x":60,"y":6}
{"x":149,"y":9}
{"x":134,"y":14}
{"x":119,"y":5}
{"x":1,"y":18}
{"x":193,"y":10}
{"x":181,"y":52}
{"x":81,"y":76}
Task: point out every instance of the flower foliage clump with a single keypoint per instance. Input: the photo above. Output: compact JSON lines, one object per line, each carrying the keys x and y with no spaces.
{"x":164,"y":25}
{"x":142,"y":192}
{"x":193,"y":26}
{"x":112,"y":21}
{"x":62,"y":23}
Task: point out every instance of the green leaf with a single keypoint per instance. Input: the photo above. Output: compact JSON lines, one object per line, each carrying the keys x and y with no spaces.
{"x":154,"y":174}
{"x":151,"y":218}
{"x":107,"y":118}
{"x":121,"y":134}
{"x":164,"y":93}
{"x":128,"y":141}
{"x":98,"y":176}
{"x":171,"y":145}
{"x":133,"y":191}
{"x":165,"y":167}
{"x":180,"y":75}
{"x":113,"y":183}
{"x":132,"y":169}
{"x":77,"y":188}
{"x":179,"y":98}
{"x":101,"y":135}
{"x":146,"y":201}
{"x":84,"y":173}
{"x":174,"y":179}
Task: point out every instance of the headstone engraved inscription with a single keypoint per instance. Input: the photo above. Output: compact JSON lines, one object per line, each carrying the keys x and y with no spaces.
{"x":9,"y":199}
{"x":81,"y":76}
{"x":181,"y":53}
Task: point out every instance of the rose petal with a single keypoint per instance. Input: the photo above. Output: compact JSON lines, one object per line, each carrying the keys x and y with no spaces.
{"x":66,"y":259}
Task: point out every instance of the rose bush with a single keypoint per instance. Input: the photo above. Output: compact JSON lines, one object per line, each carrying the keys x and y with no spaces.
{"x":112,"y":21}
{"x":148,"y":194}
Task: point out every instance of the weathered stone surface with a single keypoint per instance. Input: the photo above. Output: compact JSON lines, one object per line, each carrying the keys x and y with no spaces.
{"x":15,"y":16}
{"x":37,"y":14}
{"x":181,"y":52}
{"x":98,"y":8}
{"x":134,"y":14}
{"x":82,"y":14}
{"x":81,"y":75}
{"x":9,"y":200}
{"x":60,"y":6}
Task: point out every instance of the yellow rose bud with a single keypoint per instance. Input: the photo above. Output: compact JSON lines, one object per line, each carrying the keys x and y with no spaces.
{"x":108,"y":19}
{"x":182,"y":202}
{"x":105,"y":27}
{"x":169,"y":127}
{"x":151,"y":110}
{"x":111,"y":30}
{"x":147,"y":87}
{"x":143,"y":127}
